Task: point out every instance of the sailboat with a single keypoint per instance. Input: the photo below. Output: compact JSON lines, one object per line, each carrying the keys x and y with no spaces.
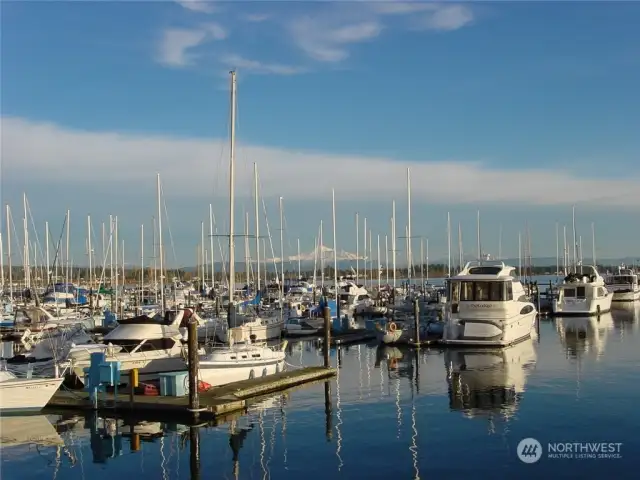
{"x":239,"y":362}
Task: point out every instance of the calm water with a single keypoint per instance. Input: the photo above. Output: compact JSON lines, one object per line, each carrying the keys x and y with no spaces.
{"x":393,"y":413}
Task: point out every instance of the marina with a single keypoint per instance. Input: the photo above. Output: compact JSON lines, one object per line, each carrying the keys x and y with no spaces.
{"x":285,"y":240}
{"x":415,"y":404}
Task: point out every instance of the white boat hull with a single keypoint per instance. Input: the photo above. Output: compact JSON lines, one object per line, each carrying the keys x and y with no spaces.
{"x":257,"y":333}
{"x":149,"y":367}
{"x":485,"y":332}
{"x":630,"y":296}
{"x":23,"y":395}
{"x":583,"y":307}
{"x":219,"y":373}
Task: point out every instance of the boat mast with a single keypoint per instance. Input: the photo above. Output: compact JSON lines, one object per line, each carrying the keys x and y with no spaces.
{"x":557,"y":250}
{"x":27,"y":266}
{"x":232,"y":154}
{"x":9,"y":253}
{"x":335,"y":247}
{"x":448,"y":244}
{"x":281,"y":260}
{"x":357,"y":247}
{"x":141,"y":264}
{"x":89,"y":250}
{"x":255,"y":194}
{"x":393,"y":242}
{"x":160,"y":250}
{"x":213,"y":270}
{"x":409,"y":256}
{"x":593,"y":244}
{"x":575,"y":241}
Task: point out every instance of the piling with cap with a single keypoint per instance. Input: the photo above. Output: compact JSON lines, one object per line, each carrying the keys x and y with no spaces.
{"x":326,"y":311}
{"x":194,"y":400}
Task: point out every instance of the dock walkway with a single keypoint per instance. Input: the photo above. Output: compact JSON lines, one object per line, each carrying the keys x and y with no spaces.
{"x":214,"y":402}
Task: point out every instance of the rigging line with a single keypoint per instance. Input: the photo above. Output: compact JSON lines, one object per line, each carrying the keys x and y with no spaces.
{"x":173,"y":246}
{"x":273,"y":253}
{"x":35,"y":231}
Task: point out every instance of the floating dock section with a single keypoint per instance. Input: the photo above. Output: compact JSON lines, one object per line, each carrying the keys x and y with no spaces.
{"x":214,"y":402}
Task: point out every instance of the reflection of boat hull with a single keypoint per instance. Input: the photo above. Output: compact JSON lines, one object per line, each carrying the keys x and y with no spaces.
{"x":488,"y":380}
{"x":26,"y":430}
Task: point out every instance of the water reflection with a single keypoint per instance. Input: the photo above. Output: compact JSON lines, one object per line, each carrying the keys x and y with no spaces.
{"x":626,"y":317}
{"x":489,"y":383}
{"x":583,"y":335}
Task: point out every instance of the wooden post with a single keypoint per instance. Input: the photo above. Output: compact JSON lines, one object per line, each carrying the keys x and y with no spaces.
{"x":416,"y":313}
{"x":327,"y":336}
{"x":133,"y":384}
{"x":194,"y":400}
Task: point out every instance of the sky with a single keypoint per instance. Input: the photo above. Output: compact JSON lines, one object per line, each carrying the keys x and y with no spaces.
{"x":518,"y":109}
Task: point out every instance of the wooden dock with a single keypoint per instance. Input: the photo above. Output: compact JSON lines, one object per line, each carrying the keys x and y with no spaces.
{"x":215,"y":402}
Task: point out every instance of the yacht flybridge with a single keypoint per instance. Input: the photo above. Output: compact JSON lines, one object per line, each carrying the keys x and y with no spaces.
{"x":488,"y":306}
{"x":583,"y":293}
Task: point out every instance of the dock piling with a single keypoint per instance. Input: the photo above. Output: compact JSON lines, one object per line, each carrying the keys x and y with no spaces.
{"x":327,"y":336}
{"x":194,"y":401}
{"x":194,"y":450}
{"x":328,"y":411}
{"x":133,"y":384}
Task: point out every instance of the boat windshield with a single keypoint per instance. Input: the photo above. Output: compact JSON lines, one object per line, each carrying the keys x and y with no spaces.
{"x":620,"y":279}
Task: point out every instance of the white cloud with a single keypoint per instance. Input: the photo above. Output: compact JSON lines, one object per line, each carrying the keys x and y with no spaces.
{"x":175,"y":44}
{"x":198,"y":5}
{"x":29,"y":149}
{"x":326,"y":41}
{"x":447,"y":18}
{"x":261,"y":68}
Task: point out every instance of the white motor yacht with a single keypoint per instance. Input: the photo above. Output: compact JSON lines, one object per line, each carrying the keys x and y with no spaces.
{"x":583,"y":293}
{"x":488,"y":306}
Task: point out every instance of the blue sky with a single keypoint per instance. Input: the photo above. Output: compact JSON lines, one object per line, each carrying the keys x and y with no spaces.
{"x":518,"y":109}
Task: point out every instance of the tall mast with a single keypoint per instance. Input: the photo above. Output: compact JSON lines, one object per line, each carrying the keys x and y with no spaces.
{"x":299,"y":271}
{"x":67,"y":255}
{"x":232,"y":154}
{"x":335,"y":247}
{"x":357,"y":247}
{"x":160,"y":248}
{"x":393,"y":241}
{"x":141,"y":264}
{"x":460,"y":250}
{"x":202,"y":259}
{"x":255,"y":194}
{"x":281,"y":259}
{"x":448,"y":244}
{"x":9,"y":253}
{"x":379,"y":263}
{"x":386,"y":258}
{"x":500,"y":243}
{"x":409,"y":256}
{"x":321,"y":256}
{"x":27,"y":266}
{"x":575,"y":240}
{"x":478,"y":237}
{"x":519,"y":255}
{"x":557,"y":249}
{"x":46,"y":239}
{"x":155,"y":261}
{"x":364,"y":249}
{"x":565,"y":255}
{"x":89,"y":251}
{"x":213,"y":270}
{"x":1,"y":265}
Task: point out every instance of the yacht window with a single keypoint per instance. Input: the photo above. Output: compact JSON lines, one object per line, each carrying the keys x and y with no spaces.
{"x":601,"y":292}
{"x":466,"y":291}
{"x":482,"y":291}
{"x":581,"y":292}
{"x":157,"y":344}
{"x":363,"y":297}
{"x":569,"y":293}
{"x":455,"y":292}
{"x":127,"y":346}
{"x":508,"y":291}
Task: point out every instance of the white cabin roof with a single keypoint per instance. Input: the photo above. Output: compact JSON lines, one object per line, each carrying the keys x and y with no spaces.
{"x":140,"y":331}
{"x":485,"y":271}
